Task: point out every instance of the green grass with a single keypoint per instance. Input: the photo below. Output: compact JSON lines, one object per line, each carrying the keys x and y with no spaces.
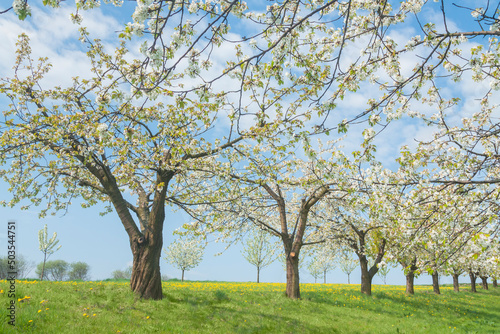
{"x":216,"y":307}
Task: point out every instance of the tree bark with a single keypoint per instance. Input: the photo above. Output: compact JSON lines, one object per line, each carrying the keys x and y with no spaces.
{"x":410,"y":279}
{"x":182,"y":277}
{"x":410,"y":276}
{"x":472,"y":281}
{"x":368,"y":274}
{"x":495,"y":283}
{"x":258,"y":275}
{"x":456,"y":285}
{"x":484,"y":281}
{"x":292,"y":276}
{"x":146,"y":277}
{"x":435,"y":282}
{"x":349,"y":278}
{"x":366,"y":279}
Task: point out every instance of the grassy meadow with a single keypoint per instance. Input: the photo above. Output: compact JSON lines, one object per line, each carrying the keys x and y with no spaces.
{"x":219,"y":307}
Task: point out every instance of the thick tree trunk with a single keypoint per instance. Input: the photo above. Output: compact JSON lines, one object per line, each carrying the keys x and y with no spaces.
{"x":146,"y":277}
{"x":435,"y":282}
{"x":366,"y":278}
{"x":456,"y":286}
{"x":410,"y":276}
{"x":472,"y":281}
{"x":182,"y":277}
{"x":410,"y":279}
{"x":292,"y":276}
{"x":484,"y":281}
{"x":349,"y":278}
{"x":495,"y":283}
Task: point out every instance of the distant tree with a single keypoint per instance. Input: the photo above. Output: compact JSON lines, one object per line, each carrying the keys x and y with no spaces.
{"x":347,"y":263}
{"x":383,"y":270}
{"x":79,"y":271}
{"x":323,"y":260}
{"x":259,"y":251}
{"x":122,"y":274}
{"x":184,"y":254}
{"x":314,"y":270}
{"x":56,"y":270}
{"x":23,"y":267}
{"x":46,"y":247}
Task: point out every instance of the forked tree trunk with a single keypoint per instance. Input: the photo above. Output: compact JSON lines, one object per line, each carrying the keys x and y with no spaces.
{"x":495,"y":283}
{"x":146,"y":245}
{"x":292,"y":276}
{"x":367,"y":274}
{"x":435,"y":282}
{"x":472,"y":281}
{"x":484,"y":281}
{"x":366,"y":279}
{"x":456,"y":285}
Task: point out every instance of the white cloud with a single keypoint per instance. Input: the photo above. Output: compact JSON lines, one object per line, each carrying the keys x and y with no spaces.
{"x":53,"y":35}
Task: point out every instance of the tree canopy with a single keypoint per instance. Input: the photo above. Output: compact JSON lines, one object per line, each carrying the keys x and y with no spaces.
{"x":214,"y":107}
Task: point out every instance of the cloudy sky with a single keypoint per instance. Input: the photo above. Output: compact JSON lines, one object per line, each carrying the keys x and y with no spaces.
{"x":101,"y":241}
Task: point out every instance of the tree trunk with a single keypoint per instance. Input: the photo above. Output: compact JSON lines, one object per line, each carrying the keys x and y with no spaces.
{"x":292,"y":276}
{"x":410,"y":279}
{"x":349,"y":278}
{"x":43,"y":266}
{"x":456,"y":286}
{"x":366,"y":279}
{"x":182,"y":277}
{"x":435,"y":282}
{"x":484,"y":280}
{"x":324,"y":277}
{"x":495,"y":283}
{"x":146,"y":277}
{"x":472,"y":281}
{"x":258,"y":275}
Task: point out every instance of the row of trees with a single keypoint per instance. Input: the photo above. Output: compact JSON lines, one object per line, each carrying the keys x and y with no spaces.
{"x":60,"y":270}
{"x":57,"y":270}
{"x":230,"y":136}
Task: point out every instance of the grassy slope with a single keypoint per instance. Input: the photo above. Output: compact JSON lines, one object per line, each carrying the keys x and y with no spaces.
{"x":210,"y":307}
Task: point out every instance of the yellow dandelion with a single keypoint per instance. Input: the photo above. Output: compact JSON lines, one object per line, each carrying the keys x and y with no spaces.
{"x":30,"y":321}
{"x":147,"y":317}
{"x":39,"y":311}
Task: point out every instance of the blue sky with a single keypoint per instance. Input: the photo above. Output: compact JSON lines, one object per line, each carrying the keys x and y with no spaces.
{"x":101,"y":241}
